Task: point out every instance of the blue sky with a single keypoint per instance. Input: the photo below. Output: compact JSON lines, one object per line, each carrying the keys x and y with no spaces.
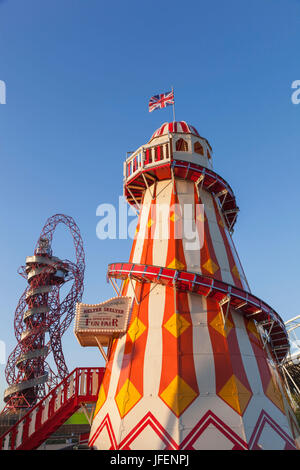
{"x":79,"y":74}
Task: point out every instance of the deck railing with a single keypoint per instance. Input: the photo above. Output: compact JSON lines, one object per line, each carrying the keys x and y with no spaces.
{"x":80,"y":386}
{"x":145,"y":157}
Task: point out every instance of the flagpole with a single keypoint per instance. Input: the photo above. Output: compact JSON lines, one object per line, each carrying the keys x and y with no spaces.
{"x":173,"y":105}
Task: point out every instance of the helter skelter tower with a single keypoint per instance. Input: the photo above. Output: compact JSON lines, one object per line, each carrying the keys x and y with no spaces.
{"x":199,"y":365}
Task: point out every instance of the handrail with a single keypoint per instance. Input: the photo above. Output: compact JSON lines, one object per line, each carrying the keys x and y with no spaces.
{"x":145,"y":157}
{"x":81,"y":385}
{"x":245,"y":303}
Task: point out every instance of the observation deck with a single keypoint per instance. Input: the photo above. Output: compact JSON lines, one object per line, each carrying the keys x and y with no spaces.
{"x":43,"y":271}
{"x":176,"y":150}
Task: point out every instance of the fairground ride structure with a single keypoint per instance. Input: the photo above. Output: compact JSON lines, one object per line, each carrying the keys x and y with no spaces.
{"x":41,"y":319}
{"x":291,"y":366}
{"x":199,"y":365}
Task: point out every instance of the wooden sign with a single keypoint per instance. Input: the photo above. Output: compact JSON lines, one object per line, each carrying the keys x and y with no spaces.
{"x":100,"y":323}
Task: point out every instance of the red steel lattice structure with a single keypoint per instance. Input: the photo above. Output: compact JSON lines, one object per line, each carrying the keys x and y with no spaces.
{"x":40,"y":312}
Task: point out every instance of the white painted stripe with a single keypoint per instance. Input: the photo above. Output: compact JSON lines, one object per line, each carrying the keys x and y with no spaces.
{"x":202,"y":347}
{"x":32,"y":422}
{"x":45,"y":412}
{"x":19,"y":435}
{"x":143,"y":227}
{"x":161,"y":232}
{"x":6,"y":442}
{"x":237,"y":261}
{"x":259,"y":400}
{"x":153,"y":351}
{"x":191,"y":246}
{"x":110,"y":405}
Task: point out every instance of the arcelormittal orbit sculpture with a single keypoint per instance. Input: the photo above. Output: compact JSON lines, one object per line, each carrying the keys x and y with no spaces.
{"x":199,"y":366}
{"x":41,"y":318}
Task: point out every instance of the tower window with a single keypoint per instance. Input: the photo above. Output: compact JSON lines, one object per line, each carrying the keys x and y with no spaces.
{"x":181,"y":145}
{"x":198,"y":148}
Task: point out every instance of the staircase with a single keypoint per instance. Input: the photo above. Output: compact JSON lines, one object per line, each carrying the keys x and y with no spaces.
{"x":79,"y":387}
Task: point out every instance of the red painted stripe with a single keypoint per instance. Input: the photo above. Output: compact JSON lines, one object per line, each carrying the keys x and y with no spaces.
{"x":185,"y":127}
{"x":175,"y":245}
{"x":237,"y":361}
{"x":222,"y":357}
{"x":106,"y":423}
{"x":133,"y":359}
{"x":194,"y":131}
{"x":136,"y":233}
{"x":147,"y":253}
{"x":177,"y":352}
{"x":207,"y":251}
{"x":237,"y":282}
{"x":161,"y":130}
{"x":178,"y":126}
{"x":210,"y":419}
{"x":262,"y":362}
{"x":107,"y":374}
{"x":149,"y":420}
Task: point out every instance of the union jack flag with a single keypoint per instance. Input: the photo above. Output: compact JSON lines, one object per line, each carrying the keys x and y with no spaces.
{"x":161,"y":101}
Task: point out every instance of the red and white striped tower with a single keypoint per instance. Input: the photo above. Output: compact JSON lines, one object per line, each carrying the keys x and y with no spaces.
{"x":199,"y":365}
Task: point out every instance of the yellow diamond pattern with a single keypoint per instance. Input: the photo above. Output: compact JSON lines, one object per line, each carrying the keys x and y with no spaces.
{"x":176,"y":264}
{"x":176,"y":325}
{"x":178,"y":395}
{"x":211,"y":266}
{"x":235,"y":272}
{"x":150,"y":222}
{"x":127,"y":397}
{"x":101,"y":400}
{"x":274,"y":394}
{"x":136,"y":329}
{"x":174,"y":217}
{"x":252,"y":328}
{"x":218,"y":324}
{"x":235,"y":394}
{"x":200,"y":217}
